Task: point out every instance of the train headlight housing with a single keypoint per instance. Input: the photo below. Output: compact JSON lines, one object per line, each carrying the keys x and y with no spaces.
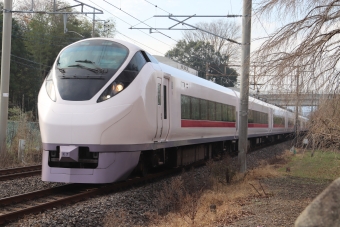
{"x":125,"y":78}
{"x":111,"y":91}
{"x":50,"y":88}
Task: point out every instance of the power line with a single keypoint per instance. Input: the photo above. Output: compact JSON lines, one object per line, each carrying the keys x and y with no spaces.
{"x":157,"y":6}
{"x":130,"y":24}
{"x":138,"y":19}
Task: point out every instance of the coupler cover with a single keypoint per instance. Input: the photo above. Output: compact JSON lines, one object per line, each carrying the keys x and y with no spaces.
{"x":69,"y":154}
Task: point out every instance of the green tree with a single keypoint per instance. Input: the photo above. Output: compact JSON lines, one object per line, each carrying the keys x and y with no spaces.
{"x":23,"y":70}
{"x":199,"y":54}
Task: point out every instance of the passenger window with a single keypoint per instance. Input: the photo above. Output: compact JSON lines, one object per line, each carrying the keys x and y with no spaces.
{"x":224,"y":112}
{"x":185,"y":107}
{"x":195,"y":108}
{"x":212,"y":111}
{"x":204,"y":109}
{"x":218,"y":111}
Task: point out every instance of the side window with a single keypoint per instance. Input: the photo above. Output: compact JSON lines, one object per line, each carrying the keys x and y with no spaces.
{"x":218,"y":112}
{"x":224,"y":112}
{"x":212,"y":111}
{"x":185,"y":107}
{"x":204,"y":109}
{"x":195,"y":108}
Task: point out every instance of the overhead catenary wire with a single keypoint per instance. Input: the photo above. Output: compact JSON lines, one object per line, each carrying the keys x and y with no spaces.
{"x":129,"y":24}
{"x":138,"y":19}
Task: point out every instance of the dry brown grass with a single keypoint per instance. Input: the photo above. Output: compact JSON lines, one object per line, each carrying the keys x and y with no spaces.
{"x":187,"y":201}
{"x":32,"y":154}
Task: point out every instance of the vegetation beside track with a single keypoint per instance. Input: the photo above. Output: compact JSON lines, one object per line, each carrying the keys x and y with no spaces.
{"x":214,"y":202}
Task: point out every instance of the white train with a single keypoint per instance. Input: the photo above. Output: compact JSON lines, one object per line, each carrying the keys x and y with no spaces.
{"x":107,"y":107}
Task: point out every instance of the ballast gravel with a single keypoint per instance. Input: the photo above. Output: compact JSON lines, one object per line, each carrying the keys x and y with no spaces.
{"x":133,"y":204}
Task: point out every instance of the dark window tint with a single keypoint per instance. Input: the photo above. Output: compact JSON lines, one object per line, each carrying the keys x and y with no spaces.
{"x":151,"y":58}
{"x":204,"y":109}
{"x":201,"y":109}
{"x":224,"y":112}
{"x":218,"y":112}
{"x":136,"y":63}
{"x":212,"y":111}
{"x":185,"y":107}
{"x":195,"y":108}
{"x":159,"y":99}
{"x":132,"y":69}
{"x":83,"y":68}
{"x":127,"y":76}
{"x":165,"y":107}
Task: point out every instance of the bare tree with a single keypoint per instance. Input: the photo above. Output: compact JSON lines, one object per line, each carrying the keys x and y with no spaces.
{"x":307,"y":46}
{"x":222,"y":28}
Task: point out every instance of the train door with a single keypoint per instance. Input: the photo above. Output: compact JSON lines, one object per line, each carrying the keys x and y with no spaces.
{"x":166,"y":107}
{"x":162,"y":109}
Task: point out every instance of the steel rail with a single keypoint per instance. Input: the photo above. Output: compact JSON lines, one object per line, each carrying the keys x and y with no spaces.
{"x":7,"y":174}
{"x":84,"y":192}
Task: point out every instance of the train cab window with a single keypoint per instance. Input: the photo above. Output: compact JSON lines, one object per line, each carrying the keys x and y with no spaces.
{"x":83,"y":68}
{"x":151,"y":58}
{"x":125,"y":77}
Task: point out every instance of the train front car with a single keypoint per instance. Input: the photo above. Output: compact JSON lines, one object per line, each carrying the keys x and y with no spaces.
{"x":91,"y":106}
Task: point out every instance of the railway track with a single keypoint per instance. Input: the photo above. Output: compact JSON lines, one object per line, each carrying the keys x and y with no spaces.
{"x":9,"y":174}
{"x":12,"y":208}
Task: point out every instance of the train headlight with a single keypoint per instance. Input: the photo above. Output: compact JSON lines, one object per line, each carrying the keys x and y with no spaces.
{"x":119,"y":87}
{"x":50,"y":88}
{"x":111,"y":91}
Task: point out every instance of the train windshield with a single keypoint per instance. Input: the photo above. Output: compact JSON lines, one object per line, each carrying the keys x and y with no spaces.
{"x":84,"y":68}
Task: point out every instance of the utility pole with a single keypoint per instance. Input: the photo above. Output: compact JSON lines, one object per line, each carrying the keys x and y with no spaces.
{"x":244,"y":88}
{"x":93,"y":22}
{"x":5,"y":71}
{"x":297,"y":107}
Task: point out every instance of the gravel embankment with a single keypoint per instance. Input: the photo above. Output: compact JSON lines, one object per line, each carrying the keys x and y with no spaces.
{"x":132,"y":205}
{"x":24,"y":185}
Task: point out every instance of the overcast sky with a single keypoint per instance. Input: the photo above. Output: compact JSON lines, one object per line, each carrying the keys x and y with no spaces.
{"x":144,"y":10}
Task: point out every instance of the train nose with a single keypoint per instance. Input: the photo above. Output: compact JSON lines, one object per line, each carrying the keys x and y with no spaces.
{"x":77,"y":124}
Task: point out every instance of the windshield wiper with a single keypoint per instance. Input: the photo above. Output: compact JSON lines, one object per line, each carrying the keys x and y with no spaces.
{"x":61,"y":70}
{"x":84,"y":67}
{"x":101,"y":70}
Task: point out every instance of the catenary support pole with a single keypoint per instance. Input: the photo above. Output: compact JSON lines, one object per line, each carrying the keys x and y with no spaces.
{"x":244,"y":88}
{"x":5,"y":71}
{"x":93,"y":22}
{"x":296,"y":132}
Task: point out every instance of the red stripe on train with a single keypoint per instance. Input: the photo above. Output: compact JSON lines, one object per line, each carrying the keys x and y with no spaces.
{"x":255,"y":125}
{"x":200,"y":123}
{"x":221,"y":124}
